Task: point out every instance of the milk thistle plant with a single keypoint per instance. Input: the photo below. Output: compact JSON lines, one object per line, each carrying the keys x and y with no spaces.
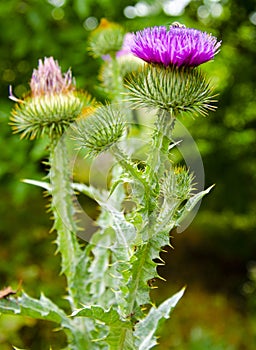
{"x":110,"y":277}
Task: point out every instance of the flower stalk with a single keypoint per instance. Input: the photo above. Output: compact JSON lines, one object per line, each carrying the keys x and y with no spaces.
{"x":158,"y":159}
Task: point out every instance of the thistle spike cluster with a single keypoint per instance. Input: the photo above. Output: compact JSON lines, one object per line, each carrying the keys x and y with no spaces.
{"x":177,"y":46}
{"x":178,"y":90}
{"x":178,"y":184}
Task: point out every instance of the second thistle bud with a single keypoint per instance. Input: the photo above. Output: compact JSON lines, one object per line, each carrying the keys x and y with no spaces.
{"x":107,"y":39}
{"x":99,"y":131}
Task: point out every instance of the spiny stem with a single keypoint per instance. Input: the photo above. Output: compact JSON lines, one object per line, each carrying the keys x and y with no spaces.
{"x":134,"y":290}
{"x":136,"y":278}
{"x":157,"y":161}
{"x":124,"y":160}
{"x":132,"y":169}
{"x":158,"y":157}
{"x":63,"y":211}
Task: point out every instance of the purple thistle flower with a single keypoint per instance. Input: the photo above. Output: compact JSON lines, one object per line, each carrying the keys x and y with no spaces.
{"x":48,"y":79}
{"x":178,"y":46}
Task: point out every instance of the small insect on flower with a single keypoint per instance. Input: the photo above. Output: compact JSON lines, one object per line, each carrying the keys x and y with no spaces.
{"x":177,"y":25}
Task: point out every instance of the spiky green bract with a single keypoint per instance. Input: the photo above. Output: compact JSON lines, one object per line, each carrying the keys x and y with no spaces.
{"x":99,"y":131}
{"x":107,"y":39}
{"x":47,"y":114}
{"x":177,"y":90}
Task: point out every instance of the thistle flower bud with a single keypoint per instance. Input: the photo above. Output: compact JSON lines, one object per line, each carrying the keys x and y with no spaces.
{"x":178,"y":184}
{"x":107,"y":39}
{"x":52,"y":105}
{"x":99,"y":131}
{"x":173,"y":89}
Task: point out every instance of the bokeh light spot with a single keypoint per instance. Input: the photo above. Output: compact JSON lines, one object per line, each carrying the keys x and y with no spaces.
{"x":252,"y":18}
{"x":56,"y":3}
{"x":90,"y":23}
{"x":130,"y":12}
{"x":58,"y":14}
{"x":8,"y":75}
{"x":203,"y":12}
{"x":142,"y":9}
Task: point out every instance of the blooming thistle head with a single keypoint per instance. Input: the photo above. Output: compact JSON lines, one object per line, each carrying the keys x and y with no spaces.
{"x":52,"y":104}
{"x":178,"y":46}
{"x":171,"y":80}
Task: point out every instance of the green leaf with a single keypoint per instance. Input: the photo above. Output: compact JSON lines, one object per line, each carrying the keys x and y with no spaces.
{"x":125,"y":231}
{"x":42,"y":308}
{"x":98,"y":278}
{"x":143,"y":269}
{"x":110,"y":317}
{"x":45,"y":309}
{"x":145,"y":329}
{"x":90,"y":191}
{"x":191,"y":203}
{"x":119,"y":330}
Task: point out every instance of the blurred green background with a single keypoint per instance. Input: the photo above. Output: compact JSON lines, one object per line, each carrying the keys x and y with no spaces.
{"x":216,"y":256}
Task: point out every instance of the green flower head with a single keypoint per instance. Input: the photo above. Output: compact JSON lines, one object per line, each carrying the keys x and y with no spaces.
{"x":99,"y":131}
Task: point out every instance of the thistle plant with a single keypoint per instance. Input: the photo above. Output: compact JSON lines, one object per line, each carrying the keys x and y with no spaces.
{"x":110,"y":277}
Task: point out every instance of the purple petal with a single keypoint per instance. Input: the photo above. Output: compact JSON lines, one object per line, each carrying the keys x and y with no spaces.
{"x":48,"y":78}
{"x":177,"y":46}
